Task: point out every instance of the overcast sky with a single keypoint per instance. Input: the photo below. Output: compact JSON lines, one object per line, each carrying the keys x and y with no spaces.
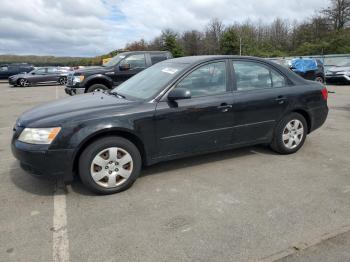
{"x":95,"y":27}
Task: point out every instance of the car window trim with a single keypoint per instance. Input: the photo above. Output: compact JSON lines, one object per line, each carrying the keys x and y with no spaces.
{"x":288,"y":81}
{"x":184,"y":75}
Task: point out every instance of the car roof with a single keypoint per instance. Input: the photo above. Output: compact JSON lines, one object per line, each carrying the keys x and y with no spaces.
{"x":192,"y":61}
{"x":205,"y":58}
{"x":135,"y":52}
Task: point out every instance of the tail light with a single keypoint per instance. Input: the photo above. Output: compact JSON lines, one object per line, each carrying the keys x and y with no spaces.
{"x":324,"y":92}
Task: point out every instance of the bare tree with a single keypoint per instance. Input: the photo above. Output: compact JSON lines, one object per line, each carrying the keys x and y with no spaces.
{"x":213,"y":33}
{"x":192,"y":42}
{"x":338,"y":13}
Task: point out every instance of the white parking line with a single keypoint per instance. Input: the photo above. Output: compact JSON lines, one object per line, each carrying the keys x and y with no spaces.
{"x":60,"y":235}
{"x":56,"y":92}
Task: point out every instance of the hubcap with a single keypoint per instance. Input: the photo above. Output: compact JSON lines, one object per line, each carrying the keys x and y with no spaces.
{"x":293,"y":134}
{"x":111,"y":167}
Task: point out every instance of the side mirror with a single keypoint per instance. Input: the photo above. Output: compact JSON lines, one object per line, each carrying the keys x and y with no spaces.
{"x":178,"y":94}
{"x":124,"y":67}
{"x":33,"y":73}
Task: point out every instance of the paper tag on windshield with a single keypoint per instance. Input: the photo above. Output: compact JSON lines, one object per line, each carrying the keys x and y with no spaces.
{"x":169,"y":70}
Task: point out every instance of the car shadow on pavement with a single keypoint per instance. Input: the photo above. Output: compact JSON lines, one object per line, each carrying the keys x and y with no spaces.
{"x":187,"y":162}
{"x":24,"y":181}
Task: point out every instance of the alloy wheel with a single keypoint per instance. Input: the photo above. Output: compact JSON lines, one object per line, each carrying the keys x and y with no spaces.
{"x":293,"y":134}
{"x":23,"y":82}
{"x":111,"y":167}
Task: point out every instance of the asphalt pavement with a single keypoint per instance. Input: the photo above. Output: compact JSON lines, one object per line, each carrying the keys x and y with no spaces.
{"x":240,"y":205}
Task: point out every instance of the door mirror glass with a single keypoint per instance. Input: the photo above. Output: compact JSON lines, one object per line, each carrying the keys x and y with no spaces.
{"x":124,"y":67}
{"x":178,"y":94}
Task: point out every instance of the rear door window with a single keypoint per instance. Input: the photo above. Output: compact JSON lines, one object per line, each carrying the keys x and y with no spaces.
{"x":251,"y":75}
{"x":155,"y":58}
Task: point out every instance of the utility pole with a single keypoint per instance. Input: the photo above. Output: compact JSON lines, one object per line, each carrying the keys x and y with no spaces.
{"x":240,"y":46}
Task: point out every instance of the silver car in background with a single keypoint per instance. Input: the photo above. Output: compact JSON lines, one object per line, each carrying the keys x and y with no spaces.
{"x":40,"y":76}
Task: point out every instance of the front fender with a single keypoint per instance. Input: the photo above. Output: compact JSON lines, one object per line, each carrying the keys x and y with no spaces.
{"x":97,"y":77}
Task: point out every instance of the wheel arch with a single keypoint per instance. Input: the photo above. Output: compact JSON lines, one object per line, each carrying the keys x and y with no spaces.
{"x":307,"y":117}
{"x":98,"y":80}
{"x":104,"y":133}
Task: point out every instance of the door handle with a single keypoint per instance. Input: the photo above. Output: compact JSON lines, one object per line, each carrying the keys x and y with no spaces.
{"x":281,"y":99}
{"x":224,"y":107}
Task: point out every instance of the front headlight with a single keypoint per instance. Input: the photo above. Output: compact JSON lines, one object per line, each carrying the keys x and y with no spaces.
{"x":39,"y":135}
{"x":78,"y":79}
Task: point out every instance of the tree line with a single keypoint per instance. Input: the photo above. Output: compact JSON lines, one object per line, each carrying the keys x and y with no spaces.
{"x":324,"y":33}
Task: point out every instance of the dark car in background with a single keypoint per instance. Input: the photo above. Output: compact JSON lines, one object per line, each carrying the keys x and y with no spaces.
{"x":7,"y":70}
{"x":309,"y":68}
{"x":116,"y":71}
{"x":176,"y":108}
{"x":338,"y":74}
{"x":41,"y":75}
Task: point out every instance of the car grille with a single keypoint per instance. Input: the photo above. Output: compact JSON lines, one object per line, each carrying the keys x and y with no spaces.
{"x":70,"y":79}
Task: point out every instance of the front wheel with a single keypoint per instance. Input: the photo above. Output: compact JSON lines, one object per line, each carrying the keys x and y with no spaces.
{"x":97,"y":88}
{"x":290,"y":134}
{"x":23,"y":82}
{"x":110,"y":165}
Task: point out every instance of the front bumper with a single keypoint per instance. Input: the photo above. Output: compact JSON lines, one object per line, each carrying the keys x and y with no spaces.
{"x":40,"y":161}
{"x":12,"y":81}
{"x":74,"y":90}
{"x":337,"y":78}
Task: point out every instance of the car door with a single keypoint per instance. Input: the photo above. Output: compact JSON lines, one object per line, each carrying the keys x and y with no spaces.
{"x":38,"y":76}
{"x":129,"y":66}
{"x":52,"y":75}
{"x":202,"y":122}
{"x":260,"y":100}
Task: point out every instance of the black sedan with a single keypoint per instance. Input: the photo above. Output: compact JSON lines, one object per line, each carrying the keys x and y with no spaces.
{"x":176,"y":108}
{"x":42,"y":75}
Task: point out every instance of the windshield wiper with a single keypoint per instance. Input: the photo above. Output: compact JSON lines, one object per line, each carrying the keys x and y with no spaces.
{"x":117,"y":94}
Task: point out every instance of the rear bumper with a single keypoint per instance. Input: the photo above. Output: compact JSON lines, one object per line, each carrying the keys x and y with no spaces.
{"x":318,"y":117}
{"x":40,"y":161}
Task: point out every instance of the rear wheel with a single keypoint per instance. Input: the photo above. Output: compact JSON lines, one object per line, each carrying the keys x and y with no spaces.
{"x":319,"y":79}
{"x":62,"y":80}
{"x":290,"y":134}
{"x":97,"y":88}
{"x":110,"y":165}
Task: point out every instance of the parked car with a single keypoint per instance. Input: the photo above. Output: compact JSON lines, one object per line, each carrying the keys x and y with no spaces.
{"x":338,"y":74}
{"x":180,"y":107}
{"x":8,"y":70}
{"x":308,"y":68}
{"x":41,"y":75}
{"x":117,"y":70}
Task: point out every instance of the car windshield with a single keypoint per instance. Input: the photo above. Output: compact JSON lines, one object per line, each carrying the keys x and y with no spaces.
{"x":149,"y":82}
{"x":115,"y":60}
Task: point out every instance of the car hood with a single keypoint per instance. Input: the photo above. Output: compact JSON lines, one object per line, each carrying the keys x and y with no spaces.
{"x":93,"y":70}
{"x":18,"y":75}
{"x":74,"y":108}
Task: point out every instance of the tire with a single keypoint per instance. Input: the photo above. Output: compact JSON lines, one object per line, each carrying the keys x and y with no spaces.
{"x":23,"y":82}
{"x":288,"y":137}
{"x":319,"y":79}
{"x":97,"y":88}
{"x":62,"y":81}
{"x":104,"y":157}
